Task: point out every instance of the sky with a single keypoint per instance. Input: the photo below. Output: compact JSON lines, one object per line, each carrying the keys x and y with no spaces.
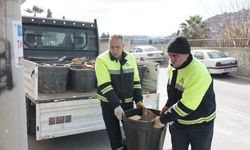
{"x":130,"y":17}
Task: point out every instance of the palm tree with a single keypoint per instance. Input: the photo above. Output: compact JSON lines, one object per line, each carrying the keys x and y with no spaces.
{"x":194,"y":28}
{"x":35,"y":9}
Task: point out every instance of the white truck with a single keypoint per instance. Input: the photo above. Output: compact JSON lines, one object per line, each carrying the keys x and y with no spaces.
{"x":54,"y":108}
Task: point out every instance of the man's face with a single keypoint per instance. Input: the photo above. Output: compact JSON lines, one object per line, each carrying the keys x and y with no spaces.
{"x":177,"y":59}
{"x":116,"y":47}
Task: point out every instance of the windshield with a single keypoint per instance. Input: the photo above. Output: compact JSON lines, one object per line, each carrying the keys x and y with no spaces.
{"x":214,"y":55}
{"x":150,"y":49}
{"x":54,"y":38}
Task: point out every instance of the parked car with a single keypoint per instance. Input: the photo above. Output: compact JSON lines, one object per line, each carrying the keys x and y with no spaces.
{"x":216,"y":61}
{"x":148,"y":53}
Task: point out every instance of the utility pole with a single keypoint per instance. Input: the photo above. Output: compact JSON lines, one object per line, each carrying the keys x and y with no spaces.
{"x":13,"y":131}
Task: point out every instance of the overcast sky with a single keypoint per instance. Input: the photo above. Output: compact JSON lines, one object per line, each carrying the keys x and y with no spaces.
{"x":130,"y":17}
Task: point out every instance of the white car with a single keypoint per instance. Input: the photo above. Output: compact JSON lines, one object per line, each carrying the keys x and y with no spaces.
{"x":148,"y":53}
{"x":216,"y":61}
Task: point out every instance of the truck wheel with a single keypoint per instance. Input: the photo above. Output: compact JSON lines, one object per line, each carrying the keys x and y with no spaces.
{"x":160,"y":62}
{"x":31,"y":117}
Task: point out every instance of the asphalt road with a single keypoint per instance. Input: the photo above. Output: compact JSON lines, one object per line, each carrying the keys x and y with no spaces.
{"x":231,"y":125}
{"x":233,"y":114}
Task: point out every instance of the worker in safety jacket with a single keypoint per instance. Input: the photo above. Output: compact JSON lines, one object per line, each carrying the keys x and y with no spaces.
{"x":118,"y":87}
{"x":191,"y":106}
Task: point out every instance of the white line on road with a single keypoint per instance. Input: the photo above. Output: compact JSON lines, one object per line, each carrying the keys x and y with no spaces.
{"x":233,"y":112}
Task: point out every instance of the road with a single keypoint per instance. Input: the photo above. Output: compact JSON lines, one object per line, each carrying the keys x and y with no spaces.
{"x":231,"y":125}
{"x":233,"y":117}
{"x":233,"y":114}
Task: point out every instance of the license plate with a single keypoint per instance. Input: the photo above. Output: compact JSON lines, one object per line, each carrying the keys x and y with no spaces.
{"x":228,"y":69}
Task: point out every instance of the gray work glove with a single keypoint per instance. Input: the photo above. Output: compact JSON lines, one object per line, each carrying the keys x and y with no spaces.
{"x":157,"y":123}
{"x":119,"y":112}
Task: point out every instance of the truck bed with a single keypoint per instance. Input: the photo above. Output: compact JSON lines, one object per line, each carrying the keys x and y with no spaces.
{"x":58,"y":114}
{"x":149,"y":85}
{"x":65,"y":96}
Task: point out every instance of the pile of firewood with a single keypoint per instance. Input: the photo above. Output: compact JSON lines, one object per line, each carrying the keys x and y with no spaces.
{"x":147,"y":115}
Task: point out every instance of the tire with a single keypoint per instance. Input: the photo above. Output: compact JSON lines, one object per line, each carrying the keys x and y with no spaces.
{"x":160,"y":62}
{"x":225,"y":74}
{"x":142,"y":59}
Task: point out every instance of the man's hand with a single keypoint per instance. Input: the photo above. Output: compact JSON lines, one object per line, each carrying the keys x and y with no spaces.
{"x":119,"y":112}
{"x":157,"y":122}
{"x":164,"y":109}
{"x":139,"y":105}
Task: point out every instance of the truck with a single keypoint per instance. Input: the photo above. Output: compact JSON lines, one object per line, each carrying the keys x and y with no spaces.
{"x":56,"y":103}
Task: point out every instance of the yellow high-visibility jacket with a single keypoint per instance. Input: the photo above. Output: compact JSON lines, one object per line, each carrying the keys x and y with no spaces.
{"x":117,"y":80}
{"x":191,"y":98}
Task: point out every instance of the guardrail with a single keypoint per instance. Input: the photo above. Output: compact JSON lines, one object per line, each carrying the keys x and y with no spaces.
{"x":239,"y":42}
{"x":235,"y":42}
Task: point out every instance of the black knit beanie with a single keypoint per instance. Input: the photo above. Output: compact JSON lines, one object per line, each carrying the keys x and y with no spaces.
{"x":179,"y":45}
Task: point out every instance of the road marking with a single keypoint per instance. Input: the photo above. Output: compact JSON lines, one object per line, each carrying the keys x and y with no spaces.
{"x":233,"y":112}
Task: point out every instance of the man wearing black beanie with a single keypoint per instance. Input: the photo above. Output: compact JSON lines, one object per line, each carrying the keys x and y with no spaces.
{"x":179,"y":45}
{"x":190,"y":109}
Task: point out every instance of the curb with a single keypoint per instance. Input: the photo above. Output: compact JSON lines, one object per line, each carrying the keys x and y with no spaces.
{"x":246,"y":78}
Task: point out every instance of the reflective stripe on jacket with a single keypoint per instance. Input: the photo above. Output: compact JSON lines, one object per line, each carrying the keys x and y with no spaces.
{"x":118,"y":80}
{"x":191,"y":98}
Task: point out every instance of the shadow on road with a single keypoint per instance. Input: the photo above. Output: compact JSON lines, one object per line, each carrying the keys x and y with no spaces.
{"x":97,"y":140}
{"x":232,"y":79}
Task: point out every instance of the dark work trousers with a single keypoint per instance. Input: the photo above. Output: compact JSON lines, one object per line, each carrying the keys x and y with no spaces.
{"x":112,"y":123}
{"x":199,"y":136}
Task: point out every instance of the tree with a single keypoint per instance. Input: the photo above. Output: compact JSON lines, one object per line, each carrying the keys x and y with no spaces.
{"x":35,"y":9}
{"x":49,"y":13}
{"x":237,"y":25}
{"x":194,"y":28}
{"x":232,"y":26}
{"x":233,"y":23}
{"x":104,"y":36}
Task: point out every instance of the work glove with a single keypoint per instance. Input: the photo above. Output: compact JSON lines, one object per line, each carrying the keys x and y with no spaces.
{"x":157,"y":122}
{"x":139,"y":105}
{"x":119,"y":112}
{"x":164,"y":109}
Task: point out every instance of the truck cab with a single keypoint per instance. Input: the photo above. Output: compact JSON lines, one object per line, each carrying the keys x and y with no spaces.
{"x":52,"y":38}
{"x":54,"y":108}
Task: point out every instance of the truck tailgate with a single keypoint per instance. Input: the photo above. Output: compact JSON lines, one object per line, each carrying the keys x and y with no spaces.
{"x":31,"y":79}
